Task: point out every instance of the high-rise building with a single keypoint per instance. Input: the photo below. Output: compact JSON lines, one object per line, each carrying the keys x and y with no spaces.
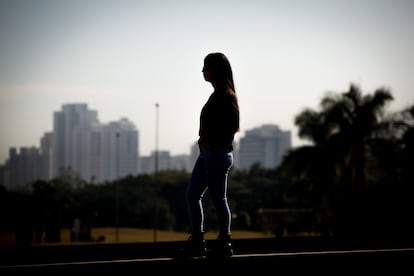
{"x":265,"y":145}
{"x":116,"y":150}
{"x":68,"y":136}
{"x":96,"y":152}
{"x":22,"y":167}
{"x":46,"y":151}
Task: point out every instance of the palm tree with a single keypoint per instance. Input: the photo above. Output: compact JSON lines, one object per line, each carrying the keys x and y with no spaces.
{"x":341,"y":132}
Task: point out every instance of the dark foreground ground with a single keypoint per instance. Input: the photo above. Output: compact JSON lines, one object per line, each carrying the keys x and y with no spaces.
{"x":258,"y":256}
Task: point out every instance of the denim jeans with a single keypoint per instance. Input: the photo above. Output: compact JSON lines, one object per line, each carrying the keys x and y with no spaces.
{"x":210,"y":172}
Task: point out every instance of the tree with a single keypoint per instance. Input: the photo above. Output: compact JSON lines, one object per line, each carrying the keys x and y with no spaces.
{"x":342,"y":131}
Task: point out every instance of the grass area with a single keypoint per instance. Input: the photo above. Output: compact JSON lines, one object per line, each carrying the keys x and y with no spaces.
{"x":107,"y":235}
{"x":131,"y":235}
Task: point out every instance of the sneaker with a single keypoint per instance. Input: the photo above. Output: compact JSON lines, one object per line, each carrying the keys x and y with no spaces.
{"x":194,"y":247}
{"x":221,"y":248}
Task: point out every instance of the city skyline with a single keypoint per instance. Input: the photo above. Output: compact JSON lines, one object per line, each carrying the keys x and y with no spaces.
{"x":96,"y":116}
{"x":121,"y":57}
{"x":82,"y":149}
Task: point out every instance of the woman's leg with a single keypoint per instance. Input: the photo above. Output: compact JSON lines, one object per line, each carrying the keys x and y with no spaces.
{"x":219,"y":163}
{"x":196,"y":189}
{"x":218,"y":166}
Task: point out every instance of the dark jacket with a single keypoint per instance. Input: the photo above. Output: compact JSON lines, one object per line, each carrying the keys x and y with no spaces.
{"x":219,"y":121}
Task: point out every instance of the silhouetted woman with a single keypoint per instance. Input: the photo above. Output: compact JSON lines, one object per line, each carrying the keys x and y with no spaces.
{"x":219,"y":122}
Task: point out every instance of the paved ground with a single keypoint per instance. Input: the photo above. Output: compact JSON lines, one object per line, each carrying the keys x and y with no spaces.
{"x":260,"y":256}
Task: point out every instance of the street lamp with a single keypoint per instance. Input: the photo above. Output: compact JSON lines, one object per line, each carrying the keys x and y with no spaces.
{"x":155,"y":172}
{"x":156,"y":138}
{"x":117,"y":191}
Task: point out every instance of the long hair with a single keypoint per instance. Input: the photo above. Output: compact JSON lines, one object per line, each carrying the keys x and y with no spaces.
{"x":222,"y":74}
{"x":220,"y":70}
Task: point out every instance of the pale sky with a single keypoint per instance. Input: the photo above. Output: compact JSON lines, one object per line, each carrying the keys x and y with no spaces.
{"x":121,"y":57}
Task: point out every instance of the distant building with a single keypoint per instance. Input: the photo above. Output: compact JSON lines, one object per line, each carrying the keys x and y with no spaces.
{"x":152,"y":163}
{"x":22,"y":167}
{"x":46,"y":150}
{"x":116,"y":150}
{"x":265,"y":145}
{"x":97,"y":152}
{"x":179,"y":162}
{"x":71,"y":129}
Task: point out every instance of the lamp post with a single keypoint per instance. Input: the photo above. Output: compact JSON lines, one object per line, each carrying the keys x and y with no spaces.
{"x":155,"y":172}
{"x":117,"y":191}
{"x":156,"y":138}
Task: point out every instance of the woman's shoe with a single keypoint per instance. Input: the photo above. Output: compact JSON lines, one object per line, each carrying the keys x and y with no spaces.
{"x":195,"y":247}
{"x":221,"y":247}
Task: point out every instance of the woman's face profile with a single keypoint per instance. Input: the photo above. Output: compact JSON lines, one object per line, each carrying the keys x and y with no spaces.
{"x":206,"y":73}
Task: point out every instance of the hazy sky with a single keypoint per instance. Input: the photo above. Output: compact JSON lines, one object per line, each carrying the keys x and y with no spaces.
{"x":121,"y":57}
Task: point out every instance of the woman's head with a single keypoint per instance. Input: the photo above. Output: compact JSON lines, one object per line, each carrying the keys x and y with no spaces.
{"x":217,"y":70}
